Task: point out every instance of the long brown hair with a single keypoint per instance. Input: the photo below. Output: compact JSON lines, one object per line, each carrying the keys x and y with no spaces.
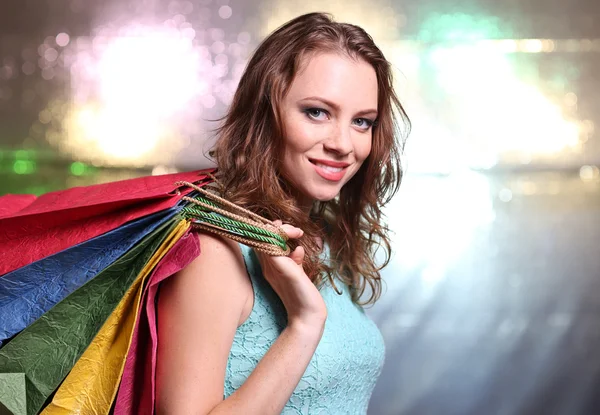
{"x":249,"y":147}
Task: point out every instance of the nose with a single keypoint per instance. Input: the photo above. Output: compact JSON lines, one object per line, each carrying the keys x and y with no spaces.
{"x":340,"y":141}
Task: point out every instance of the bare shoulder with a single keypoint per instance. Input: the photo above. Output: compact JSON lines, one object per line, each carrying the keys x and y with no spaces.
{"x":216,"y":248}
{"x":219,"y":268}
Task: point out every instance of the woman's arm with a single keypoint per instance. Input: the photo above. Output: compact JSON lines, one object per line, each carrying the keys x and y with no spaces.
{"x":198,"y":312}
{"x":270,"y":385}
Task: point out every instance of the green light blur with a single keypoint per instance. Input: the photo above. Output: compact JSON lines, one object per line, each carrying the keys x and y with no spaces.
{"x":462,"y":28}
{"x":77,"y":168}
{"x":24,"y":167}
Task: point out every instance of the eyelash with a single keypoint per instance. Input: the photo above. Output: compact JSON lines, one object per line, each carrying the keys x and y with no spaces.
{"x":308,"y":111}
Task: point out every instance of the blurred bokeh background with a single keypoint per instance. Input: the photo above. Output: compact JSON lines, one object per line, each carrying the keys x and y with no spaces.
{"x":492,"y":299}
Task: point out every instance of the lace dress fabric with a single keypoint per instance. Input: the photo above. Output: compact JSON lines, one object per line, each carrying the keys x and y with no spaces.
{"x":345,"y":366}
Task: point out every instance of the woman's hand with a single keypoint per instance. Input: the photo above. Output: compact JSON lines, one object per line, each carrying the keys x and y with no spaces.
{"x":302,"y":300}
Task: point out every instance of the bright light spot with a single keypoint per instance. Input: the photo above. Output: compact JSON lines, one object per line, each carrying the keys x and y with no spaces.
{"x":116,"y":134}
{"x":547,"y":45}
{"x":62,"y":39}
{"x":532,"y":45}
{"x":135,"y":93}
{"x":588,"y":173}
{"x":505,"y":195}
{"x":225,"y":12}
{"x":495,"y":113}
{"x":154,"y":73}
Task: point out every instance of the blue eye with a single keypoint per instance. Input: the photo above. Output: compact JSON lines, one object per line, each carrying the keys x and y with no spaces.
{"x":315,"y":113}
{"x":364,"y":123}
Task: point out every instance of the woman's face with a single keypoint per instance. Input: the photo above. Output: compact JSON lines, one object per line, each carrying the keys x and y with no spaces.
{"x":327,"y":116}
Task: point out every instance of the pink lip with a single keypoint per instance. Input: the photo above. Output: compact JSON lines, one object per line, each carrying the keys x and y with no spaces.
{"x":328,"y":175}
{"x":330,"y":163}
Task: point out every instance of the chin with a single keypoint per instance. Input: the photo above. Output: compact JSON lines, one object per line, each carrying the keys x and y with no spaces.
{"x":325,"y":199}
{"x":323,"y":196}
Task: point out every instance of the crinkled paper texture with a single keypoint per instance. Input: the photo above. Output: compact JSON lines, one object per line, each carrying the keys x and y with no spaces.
{"x":59,"y":220}
{"x":92,"y":384}
{"x":136,"y":395}
{"x":29,"y":292}
{"x":46,"y":351}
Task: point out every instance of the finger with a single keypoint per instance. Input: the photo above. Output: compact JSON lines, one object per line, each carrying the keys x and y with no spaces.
{"x":297,"y":255}
{"x":292,"y":231}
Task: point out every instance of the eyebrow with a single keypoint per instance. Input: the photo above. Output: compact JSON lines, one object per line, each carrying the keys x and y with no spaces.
{"x":337,"y":107}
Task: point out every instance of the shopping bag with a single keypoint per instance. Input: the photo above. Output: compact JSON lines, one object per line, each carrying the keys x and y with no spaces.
{"x":42,"y":355}
{"x":59,"y":220}
{"x":92,"y":383}
{"x":30,"y":291}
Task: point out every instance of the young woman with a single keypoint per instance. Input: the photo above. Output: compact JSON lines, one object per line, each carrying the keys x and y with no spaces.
{"x":311,"y":140}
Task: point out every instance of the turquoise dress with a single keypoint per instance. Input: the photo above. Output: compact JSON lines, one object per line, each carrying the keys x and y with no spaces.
{"x":345,"y":366}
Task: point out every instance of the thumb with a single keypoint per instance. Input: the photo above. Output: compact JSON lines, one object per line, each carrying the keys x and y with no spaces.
{"x":297,"y":255}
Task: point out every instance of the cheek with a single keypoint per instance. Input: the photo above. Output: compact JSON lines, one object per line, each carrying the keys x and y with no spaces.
{"x":297,"y":141}
{"x":301,"y":135}
{"x":363,"y":148}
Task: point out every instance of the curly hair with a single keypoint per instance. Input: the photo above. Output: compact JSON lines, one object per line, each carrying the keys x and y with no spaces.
{"x":250,"y":143}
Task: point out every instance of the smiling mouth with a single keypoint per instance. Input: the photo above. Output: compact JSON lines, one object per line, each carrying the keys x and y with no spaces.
{"x":328,"y":168}
{"x":330,"y":173}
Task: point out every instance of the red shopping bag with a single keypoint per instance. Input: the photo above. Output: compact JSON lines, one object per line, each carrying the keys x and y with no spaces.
{"x":32,"y":229}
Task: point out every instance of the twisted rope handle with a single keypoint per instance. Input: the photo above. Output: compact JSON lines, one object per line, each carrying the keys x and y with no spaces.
{"x":242,"y":228}
{"x":252,"y":230}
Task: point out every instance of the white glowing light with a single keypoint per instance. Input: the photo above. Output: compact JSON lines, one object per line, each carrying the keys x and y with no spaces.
{"x":505,"y":195}
{"x":589,"y":173}
{"x":156,"y":74}
{"x":497,"y":114}
{"x":135,"y":89}
{"x":117,"y":134}
{"x":532,"y":45}
{"x":435,"y":150}
{"x":435,"y":220}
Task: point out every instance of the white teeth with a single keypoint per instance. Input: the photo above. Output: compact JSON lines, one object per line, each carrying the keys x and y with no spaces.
{"x":329,"y":168}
